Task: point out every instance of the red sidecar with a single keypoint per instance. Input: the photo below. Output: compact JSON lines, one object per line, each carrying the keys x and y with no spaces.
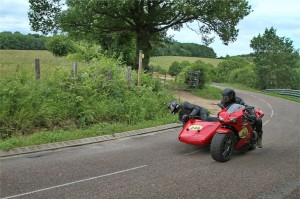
{"x":233,"y":129}
{"x":198,"y":132}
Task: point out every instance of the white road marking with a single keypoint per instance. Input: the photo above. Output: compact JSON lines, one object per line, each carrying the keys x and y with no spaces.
{"x":265,"y":122}
{"x":262,"y":100}
{"x":272,"y":113}
{"x":75,"y":182}
{"x":192,"y":152}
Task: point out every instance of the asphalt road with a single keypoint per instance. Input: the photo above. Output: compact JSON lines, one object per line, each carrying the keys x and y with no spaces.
{"x":157,"y":165}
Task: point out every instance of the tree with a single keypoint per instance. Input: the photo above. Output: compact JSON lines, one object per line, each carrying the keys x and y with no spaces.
{"x":245,"y":76}
{"x":225,"y":67}
{"x":145,"y":19}
{"x":177,"y":67}
{"x":277,"y":61}
{"x":183,"y":49}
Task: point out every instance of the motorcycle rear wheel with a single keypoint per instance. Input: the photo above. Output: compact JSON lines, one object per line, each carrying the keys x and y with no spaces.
{"x":222,"y":146}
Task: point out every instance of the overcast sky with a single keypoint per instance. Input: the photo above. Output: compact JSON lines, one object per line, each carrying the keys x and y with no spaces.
{"x":283,"y":15}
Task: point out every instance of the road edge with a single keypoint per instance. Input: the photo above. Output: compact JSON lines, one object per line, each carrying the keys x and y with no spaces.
{"x":84,"y":141}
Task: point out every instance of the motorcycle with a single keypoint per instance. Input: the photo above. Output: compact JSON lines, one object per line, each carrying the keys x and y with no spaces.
{"x":232,"y":129}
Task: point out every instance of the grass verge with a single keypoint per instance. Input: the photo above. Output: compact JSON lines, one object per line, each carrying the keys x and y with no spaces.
{"x":96,"y":130}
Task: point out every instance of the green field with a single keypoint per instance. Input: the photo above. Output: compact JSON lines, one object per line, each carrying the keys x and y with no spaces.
{"x":166,"y":61}
{"x":12,"y":61}
{"x":23,"y":60}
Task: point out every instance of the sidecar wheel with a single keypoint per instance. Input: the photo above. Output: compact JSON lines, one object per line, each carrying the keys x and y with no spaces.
{"x":221,"y":147}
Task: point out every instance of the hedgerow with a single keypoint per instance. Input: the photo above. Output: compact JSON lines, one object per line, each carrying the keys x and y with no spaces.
{"x":100,"y":93}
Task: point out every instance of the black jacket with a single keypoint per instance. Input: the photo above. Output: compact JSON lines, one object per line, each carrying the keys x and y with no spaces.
{"x":192,"y":110}
{"x":236,"y":100}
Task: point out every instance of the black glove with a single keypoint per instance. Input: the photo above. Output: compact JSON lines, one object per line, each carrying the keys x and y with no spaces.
{"x":185,"y":118}
{"x":250,"y":118}
{"x":253,"y":117}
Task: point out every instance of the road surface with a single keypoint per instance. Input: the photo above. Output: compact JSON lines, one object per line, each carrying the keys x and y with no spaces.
{"x":157,"y":165}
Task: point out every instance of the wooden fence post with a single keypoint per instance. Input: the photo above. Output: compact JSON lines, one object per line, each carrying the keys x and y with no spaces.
{"x":75,"y":66}
{"x":37,"y":69}
{"x":129,"y":76}
{"x":140,"y":67}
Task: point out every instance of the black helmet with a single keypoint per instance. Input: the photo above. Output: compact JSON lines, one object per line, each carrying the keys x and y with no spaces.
{"x":174,"y":107}
{"x":228,"y":95}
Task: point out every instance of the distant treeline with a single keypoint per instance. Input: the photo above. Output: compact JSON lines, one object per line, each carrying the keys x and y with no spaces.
{"x":184,"y":49}
{"x":18,"y":41}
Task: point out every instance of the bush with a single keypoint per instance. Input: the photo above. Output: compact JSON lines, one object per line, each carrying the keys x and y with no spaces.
{"x":60,"y":45}
{"x":177,"y":67}
{"x":245,"y":76}
{"x":224,"y":68}
{"x":206,"y":73}
{"x":99,"y":94}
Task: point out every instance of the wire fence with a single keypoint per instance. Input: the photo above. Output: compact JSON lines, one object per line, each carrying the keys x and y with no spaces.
{"x":287,"y":92}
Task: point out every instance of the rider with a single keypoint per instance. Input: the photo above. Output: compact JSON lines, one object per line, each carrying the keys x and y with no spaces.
{"x":186,"y":109}
{"x":228,"y":97}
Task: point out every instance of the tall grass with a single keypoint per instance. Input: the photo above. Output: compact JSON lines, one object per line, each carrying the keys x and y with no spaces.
{"x":60,"y":102}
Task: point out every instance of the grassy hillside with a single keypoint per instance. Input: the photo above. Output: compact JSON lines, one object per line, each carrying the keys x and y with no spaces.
{"x":166,"y":61}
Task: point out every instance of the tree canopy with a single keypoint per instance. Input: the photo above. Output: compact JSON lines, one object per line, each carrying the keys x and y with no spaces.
{"x":277,"y":61}
{"x":183,"y":49}
{"x":226,"y":67}
{"x":177,"y":67}
{"x":146,"y":20}
{"x":238,"y":70}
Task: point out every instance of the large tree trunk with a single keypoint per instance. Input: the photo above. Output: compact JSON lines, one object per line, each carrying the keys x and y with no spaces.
{"x":143,"y":43}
